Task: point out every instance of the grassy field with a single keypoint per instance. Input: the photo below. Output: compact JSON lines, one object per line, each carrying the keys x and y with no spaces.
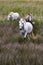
{"x":13,"y":49}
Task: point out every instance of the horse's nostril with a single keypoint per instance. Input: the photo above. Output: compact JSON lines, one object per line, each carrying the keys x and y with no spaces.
{"x":20,"y":28}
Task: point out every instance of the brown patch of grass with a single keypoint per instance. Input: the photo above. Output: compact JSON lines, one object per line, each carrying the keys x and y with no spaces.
{"x":16,"y":53}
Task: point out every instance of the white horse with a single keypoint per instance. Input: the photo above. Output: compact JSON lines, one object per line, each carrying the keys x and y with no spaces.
{"x":13,"y":16}
{"x":28,"y":18}
{"x":25,"y":27}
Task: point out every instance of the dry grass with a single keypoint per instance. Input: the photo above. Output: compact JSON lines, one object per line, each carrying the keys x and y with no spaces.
{"x":21,"y":54}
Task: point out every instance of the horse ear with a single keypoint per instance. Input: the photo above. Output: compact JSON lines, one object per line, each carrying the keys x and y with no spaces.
{"x":19,"y":17}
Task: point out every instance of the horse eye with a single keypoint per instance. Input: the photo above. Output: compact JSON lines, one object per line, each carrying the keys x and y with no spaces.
{"x":22,"y":22}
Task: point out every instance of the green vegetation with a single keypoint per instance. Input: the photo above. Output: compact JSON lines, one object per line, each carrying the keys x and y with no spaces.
{"x":14,"y":49}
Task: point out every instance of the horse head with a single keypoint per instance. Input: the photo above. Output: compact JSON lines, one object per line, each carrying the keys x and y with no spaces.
{"x":21,"y":23}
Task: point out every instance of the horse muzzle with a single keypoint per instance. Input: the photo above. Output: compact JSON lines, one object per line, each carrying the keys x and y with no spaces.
{"x":20,"y":29}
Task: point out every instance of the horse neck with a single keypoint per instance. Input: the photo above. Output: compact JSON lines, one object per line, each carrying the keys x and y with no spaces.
{"x":24,"y":23}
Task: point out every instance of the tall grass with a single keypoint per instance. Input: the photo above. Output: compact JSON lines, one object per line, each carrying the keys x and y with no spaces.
{"x":14,"y":50}
{"x":21,"y":6}
{"x":17,"y":54}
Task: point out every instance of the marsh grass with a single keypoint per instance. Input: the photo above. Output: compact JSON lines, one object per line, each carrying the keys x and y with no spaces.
{"x":20,"y":54}
{"x":21,"y":7}
{"x":14,"y":50}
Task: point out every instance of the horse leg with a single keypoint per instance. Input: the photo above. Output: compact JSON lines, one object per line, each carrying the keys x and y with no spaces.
{"x":25,"y":34}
